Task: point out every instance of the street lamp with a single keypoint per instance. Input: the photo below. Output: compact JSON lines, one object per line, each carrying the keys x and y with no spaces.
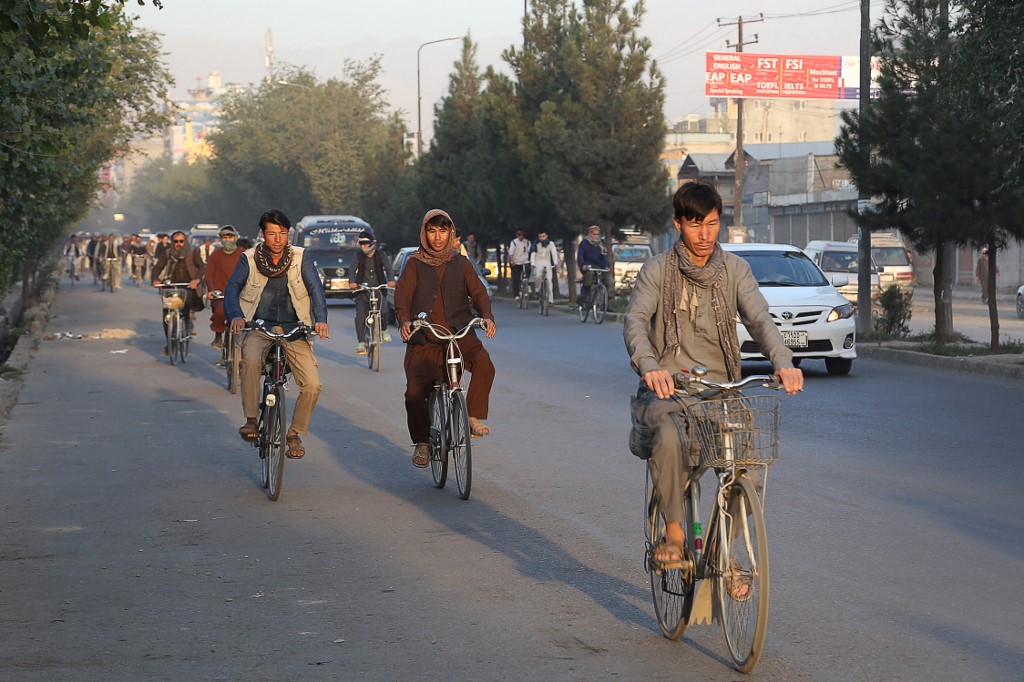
{"x":419,"y":99}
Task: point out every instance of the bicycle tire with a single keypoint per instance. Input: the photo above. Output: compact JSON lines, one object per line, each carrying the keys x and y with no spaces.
{"x":172,"y":338}
{"x":462,"y":445}
{"x":261,"y":441}
{"x":524,"y":302}
{"x":234,"y":362}
{"x":438,"y":437}
{"x":374,"y":340}
{"x":584,"y":310}
{"x":276,"y":445}
{"x":672,"y":589}
{"x":184,"y":339}
{"x":544,"y":303}
{"x":600,"y":303}
{"x":744,"y":558}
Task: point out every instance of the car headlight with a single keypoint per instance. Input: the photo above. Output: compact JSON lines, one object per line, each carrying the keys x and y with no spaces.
{"x":843,"y":312}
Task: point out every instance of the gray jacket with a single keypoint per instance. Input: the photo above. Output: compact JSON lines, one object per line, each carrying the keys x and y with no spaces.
{"x":644,"y":327}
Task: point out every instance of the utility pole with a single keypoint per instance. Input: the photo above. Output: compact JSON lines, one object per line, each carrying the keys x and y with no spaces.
{"x":864,"y":269}
{"x":739,"y":160}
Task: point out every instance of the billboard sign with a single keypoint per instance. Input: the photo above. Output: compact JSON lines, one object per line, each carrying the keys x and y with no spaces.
{"x":774,"y":76}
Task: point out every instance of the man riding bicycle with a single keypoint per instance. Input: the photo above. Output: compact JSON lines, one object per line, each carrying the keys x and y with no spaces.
{"x":692,"y":293}
{"x":181,"y":263}
{"x":543,"y":260}
{"x":519,"y":259}
{"x":275,"y":282}
{"x":219,"y":266}
{"x":592,"y":253}
{"x":372,"y":268}
{"x":441,"y":282}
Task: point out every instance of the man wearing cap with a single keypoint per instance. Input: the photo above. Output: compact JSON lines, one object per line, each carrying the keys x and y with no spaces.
{"x":518,"y":258}
{"x":219,"y":266}
{"x":593,"y":254}
{"x":372,"y":269}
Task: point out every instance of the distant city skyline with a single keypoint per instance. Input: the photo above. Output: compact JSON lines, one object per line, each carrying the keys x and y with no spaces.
{"x":227,"y":36}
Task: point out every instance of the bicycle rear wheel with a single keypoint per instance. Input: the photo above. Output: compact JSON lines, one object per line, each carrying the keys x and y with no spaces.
{"x":461,"y":445}
{"x":672,"y":586}
{"x":276,"y":446}
{"x":742,"y":576}
{"x":600,"y":304}
{"x":172,"y":337}
{"x":438,"y":436}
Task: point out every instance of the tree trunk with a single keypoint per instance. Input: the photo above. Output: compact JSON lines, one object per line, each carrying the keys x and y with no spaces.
{"x":943,"y":295}
{"x":993,"y":311}
{"x":570,"y":269}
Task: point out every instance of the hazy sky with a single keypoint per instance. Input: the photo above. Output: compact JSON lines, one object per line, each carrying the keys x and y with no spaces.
{"x":227,"y":36}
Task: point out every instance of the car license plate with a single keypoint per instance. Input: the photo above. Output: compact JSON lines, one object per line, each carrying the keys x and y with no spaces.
{"x":795,"y":339}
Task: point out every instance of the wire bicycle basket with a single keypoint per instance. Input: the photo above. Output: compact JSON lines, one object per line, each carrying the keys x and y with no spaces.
{"x":741,"y":430}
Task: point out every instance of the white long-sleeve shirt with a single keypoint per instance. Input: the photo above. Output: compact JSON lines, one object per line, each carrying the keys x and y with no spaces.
{"x":545,"y":255}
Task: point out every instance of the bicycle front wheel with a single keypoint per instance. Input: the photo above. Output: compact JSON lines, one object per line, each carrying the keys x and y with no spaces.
{"x":600,"y":304}
{"x":172,"y":337}
{"x":233,"y":361}
{"x":742,"y":563}
{"x":584,"y":309}
{"x":438,"y":434}
{"x":544,"y":304}
{"x":672,"y":586}
{"x":461,"y":445}
{"x":184,"y":339}
{"x":276,"y":446}
{"x":373,"y":347}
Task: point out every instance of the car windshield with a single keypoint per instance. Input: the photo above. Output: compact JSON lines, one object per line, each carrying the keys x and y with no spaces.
{"x":330,"y":240}
{"x":839,"y":261}
{"x":889,"y":255}
{"x":783,"y":269}
{"x":632,"y":254}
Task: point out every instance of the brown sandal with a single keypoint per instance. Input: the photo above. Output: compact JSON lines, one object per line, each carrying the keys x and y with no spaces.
{"x":249,"y":431}
{"x":477,"y":428}
{"x":295,"y":449}
{"x":421,"y":455}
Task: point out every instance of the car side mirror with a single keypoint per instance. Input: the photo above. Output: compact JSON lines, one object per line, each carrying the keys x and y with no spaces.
{"x":485,"y":272}
{"x":840,"y":281}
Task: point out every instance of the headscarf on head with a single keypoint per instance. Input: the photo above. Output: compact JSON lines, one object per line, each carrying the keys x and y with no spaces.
{"x":426,"y":252}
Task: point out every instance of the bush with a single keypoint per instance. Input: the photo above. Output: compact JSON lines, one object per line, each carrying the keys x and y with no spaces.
{"x":896,"y":313}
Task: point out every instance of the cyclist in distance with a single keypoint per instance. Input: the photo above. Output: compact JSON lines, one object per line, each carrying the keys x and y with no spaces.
{"x":276,"y":283}
{"x":593,"y":253}
{"x":543,"y":261}
{"x":219,"y":266}
{"x":73,"y":250}
{"x":692,"y":294}
{"x":518,"y":258}
{"x":181,"y":263}
{"x":441,"y":282}
{"x":111,"y":256}
{"x":373,"y":268}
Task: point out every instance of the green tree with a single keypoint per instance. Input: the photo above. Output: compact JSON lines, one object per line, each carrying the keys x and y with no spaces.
{"x":589,"y":124}
{"x":80,"y":84}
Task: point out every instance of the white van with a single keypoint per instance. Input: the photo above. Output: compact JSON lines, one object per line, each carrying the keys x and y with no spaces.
{"x":840,"y":258}
{"x":893,"y":258}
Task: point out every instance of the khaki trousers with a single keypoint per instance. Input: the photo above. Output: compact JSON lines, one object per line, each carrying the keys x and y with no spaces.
{"x":304,"y":370}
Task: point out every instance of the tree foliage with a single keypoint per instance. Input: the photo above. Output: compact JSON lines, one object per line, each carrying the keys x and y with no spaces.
{"x":81,"y":83}
{"x":942,"y":167}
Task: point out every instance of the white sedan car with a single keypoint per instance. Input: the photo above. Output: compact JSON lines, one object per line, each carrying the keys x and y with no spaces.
{"x":815,"y":320}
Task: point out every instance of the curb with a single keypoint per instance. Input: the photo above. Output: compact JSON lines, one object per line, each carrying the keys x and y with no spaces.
{"x":965,"y":365}
{"x":23,"y":351}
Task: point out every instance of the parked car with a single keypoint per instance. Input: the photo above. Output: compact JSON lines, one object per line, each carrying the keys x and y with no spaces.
{"x":816,"y":322}
{"x":402,"y":257}
{"x":840,"y":258}
{"x":1020,"y":302}
{"x":629,"y":258}
{"x":491,"y":265}
{"x":203,"y":231}
{"x":892,"y":258}
{"x":332,"y":242}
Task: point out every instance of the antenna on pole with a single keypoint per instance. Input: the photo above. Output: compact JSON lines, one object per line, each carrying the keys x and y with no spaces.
{"x":269,"y":43}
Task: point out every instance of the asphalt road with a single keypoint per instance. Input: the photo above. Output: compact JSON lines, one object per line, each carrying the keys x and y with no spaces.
{"x":138,"y":545}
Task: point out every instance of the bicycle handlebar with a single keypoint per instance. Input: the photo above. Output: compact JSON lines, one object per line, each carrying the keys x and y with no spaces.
{"x":169,"y":284}
{"x":421,"y":322}
{"x":260,"y":326}
{"x":698,"y":375}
